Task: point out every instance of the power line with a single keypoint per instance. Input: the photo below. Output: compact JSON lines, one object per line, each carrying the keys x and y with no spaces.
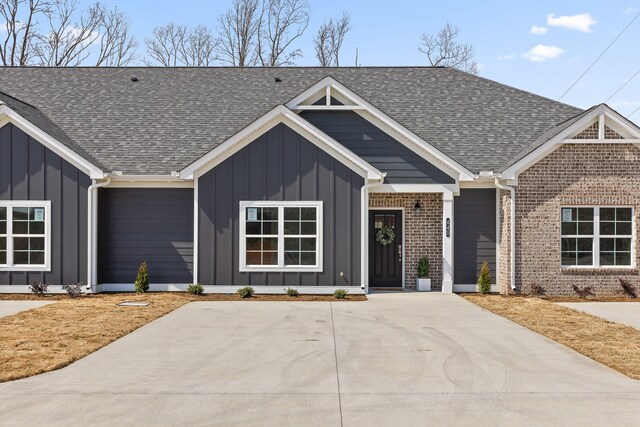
{"x":624,"y":84}
{"x":633,"y":112}
{"x":599,"y":56}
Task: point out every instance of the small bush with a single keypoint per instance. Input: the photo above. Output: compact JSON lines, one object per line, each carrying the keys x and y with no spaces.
{"x":39,"y":288}
{"x":537,"y":290}
{"x":142,"y":279}
{"x":484,"y":281}
{"x":628,"y":288}
{"x":292,"y":292}
{"x":73,"y":289}
{"x":195,"y":289}
{"x":423,"y":268}
{"x":341,"y":293}
{"x":246,"y":292}
{"x":585,"y":292}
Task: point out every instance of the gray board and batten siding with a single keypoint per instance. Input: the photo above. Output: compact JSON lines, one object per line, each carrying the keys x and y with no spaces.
{"x":279,"y":165}
{"x":145,"y":224}
{"x":30,"y":171}
{"x":402,"y":165}
{"x":474,"y":213}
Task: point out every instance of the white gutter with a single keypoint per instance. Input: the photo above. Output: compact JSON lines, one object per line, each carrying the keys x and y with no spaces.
{"x":92,"y":235}
{"x":512,"y":241}
{"x":364,"y":231}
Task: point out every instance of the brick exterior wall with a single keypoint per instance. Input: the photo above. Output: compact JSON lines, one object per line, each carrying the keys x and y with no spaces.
{"x":423,"y":233}
{"x":592,"y":132}
{"x":574,"y":174}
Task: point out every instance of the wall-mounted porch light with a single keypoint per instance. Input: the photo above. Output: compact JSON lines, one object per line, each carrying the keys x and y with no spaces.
{"x":417,"y":208}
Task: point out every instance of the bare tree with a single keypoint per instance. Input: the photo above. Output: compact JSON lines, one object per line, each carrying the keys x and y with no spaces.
{"x":21,"y":20}
{"x":198,"y":47}
{"x":68,"y":41}
{"x":282,"y":22}
{"x":173,"y":45}
{"x":165,"y":44}
{"x":117,"y":44}
{"x":442,"y":49}
{"x":238,"y":30}
{"x":329,"y":38}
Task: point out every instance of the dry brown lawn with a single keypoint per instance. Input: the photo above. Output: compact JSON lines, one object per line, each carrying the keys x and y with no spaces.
{"x":612,"y":344}
{"x":53,"y":336}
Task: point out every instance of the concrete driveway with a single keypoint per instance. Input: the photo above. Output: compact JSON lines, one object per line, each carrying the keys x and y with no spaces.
{"x":627,"y":313}
{"x":398,"y":359}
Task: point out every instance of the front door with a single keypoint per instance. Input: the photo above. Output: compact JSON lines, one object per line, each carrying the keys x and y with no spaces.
{"x":385,"y":248}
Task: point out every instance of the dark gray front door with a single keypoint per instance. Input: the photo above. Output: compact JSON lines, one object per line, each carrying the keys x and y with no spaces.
{"x":385,"y":261}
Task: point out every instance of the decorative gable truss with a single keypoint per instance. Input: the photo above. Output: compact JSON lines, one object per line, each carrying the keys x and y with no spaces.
{"x":599,"y":125}
{"x":329,"y":94}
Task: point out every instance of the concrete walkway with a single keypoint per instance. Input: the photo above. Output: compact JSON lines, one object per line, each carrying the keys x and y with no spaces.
{"x":398,"y":359}
{"x":9,"y":308}
{"x":627,"y":313}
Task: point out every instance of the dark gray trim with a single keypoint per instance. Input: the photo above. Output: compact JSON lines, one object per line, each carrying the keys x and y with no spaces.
{"x":279,"y":165}
{"x":474,"y":234}
{"x":30,"y":171}
{"x":145,"y":224}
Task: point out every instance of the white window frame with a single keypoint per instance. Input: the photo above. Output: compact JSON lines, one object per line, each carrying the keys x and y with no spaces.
{"x":281,"y":267}
{"x":10,"y":204}
{"x":596,"y":239}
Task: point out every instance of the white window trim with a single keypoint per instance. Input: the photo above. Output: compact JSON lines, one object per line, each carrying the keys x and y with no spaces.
{"x":281,"y":267}
{"x":46,"y":204}
{"x":596,"y":239}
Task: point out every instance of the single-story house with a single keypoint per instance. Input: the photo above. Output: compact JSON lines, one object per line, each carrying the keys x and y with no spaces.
{"x":312,"y":178}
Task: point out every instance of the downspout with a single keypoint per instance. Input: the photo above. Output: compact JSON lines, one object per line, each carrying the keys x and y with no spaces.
{"x":512,"y":240}
{"x":92,"y":235}
{"x":364,"y":227}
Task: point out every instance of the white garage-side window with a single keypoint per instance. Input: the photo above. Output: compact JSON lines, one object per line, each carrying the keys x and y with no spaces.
{"x":25,"y":235}
{"x":597,"y":236}
{"x":280,"y":236}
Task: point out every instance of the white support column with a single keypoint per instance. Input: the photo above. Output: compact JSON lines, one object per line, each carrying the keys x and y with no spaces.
{"x":196,"y":218}
{"x":447,"y":242}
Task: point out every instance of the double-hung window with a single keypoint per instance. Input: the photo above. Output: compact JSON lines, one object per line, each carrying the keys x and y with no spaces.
{"x":280,"y":236}
{"x":25,"y":235}
{"x":597,"y":236}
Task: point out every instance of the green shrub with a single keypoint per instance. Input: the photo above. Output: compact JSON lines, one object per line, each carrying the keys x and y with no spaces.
{"x":246,"y":292}
{"x":142,"y":279}
{"x":423,"y":268}
{"x":484,"y":281}
{"x":195,"y":289}
{"x":341,"y":293}
{"x":292,"y":292}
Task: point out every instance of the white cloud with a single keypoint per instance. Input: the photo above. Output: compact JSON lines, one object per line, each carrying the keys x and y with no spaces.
{"x":539,"y":31}
{"x":582,"y":22}
{"x":508,"y":57}
{"x":543,"y":52}
{"x":630,"y":10}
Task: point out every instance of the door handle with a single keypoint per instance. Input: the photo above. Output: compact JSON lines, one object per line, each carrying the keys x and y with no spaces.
{"x":399,"y":253}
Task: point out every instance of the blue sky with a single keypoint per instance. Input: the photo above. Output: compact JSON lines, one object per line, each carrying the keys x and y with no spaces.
{"x":501,"y":31}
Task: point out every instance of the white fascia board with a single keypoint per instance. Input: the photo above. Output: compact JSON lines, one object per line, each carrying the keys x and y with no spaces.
{"x":627,"y":125}
{"x":277,"y":115}
{"x":418,"y":145}
{"x":550,"y":146}
{"x":416,"y":188}
{"x":149,"y":181}
{"x":7,"y":115}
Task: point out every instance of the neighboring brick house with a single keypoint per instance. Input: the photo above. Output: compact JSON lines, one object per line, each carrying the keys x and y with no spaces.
{"x":313,"y":178}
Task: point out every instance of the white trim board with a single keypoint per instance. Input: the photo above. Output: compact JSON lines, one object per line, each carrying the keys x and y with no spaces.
{"x":7,"y":115}
{"x":224,"y":289}
{"x":277,"y":115}
{"x":601,"y":112}
{"x":386,"y":123}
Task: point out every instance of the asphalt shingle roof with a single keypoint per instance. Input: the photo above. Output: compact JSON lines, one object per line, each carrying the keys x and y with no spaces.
{"x":172,"y":116}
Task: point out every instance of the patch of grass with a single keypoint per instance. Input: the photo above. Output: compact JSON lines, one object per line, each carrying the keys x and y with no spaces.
{"x":53,"y":336}
{"x":609,"y":343}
